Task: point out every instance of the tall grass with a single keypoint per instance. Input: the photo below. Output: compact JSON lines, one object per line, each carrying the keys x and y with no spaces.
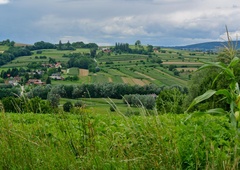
{"x":92,"y":141}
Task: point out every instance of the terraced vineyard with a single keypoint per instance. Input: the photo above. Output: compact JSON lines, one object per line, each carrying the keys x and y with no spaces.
{"x":133,"y":69}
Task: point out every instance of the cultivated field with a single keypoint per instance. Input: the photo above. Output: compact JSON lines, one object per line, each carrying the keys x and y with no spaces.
{"x":125,"y":68}
{"x":83,"y":72}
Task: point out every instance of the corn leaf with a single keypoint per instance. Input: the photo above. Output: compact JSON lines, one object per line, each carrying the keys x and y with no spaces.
{"x":225,"y":92}
{"x":201,"y":98}
{"x":222,"y":66}
{"x":216,"y":111}
{"x":234,"y":61}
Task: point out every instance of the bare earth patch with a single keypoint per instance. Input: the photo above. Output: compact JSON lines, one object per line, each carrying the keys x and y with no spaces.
{"x":184,"y":63}
{"x":83,"y":72}
{"x":146,"y":81}
{"x":127,"y":80}
{"x":186,"y":69}
{"x":138,"y":82}
{"x":145,"y":76}
{"x":133,"y":81}
{"x":110,"y":79}
{"x":1,"y":51}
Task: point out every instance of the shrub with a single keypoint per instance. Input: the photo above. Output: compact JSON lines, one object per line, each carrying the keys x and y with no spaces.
{"x":67,"y":106}
{"x":112,"y":108}
{"x":170,"y":101}
{"x":25,"y":105}
{"x":78,"y":104}
{"x":147,"y":101}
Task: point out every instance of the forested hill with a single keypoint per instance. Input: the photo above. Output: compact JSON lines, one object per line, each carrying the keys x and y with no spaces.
{"x":212,"y":46}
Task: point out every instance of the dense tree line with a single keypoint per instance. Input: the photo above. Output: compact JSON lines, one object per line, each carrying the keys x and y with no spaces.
{"x":60,"y":46}
{"x":42,"y":45}
{"x":7,"y":43}
{"x":8,"y":90}
{"x":124,"y":47}
{"x":12,"y":72}
{"x":83,"y":45}
{"x":147,"y":101}
{"x":12,"y":53}
{"x":94,"y":90}
{"x":81,"y":61}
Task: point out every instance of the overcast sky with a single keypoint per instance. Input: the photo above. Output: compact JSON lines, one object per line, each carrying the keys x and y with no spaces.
{"x":155,"y":22}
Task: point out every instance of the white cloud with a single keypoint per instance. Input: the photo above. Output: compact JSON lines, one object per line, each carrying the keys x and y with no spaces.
{"x":167,"y":22}
{"x":4,"y":2}
{"x":233,"y":35}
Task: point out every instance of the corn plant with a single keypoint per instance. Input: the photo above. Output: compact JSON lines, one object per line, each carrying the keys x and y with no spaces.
{"x":231,"y":94}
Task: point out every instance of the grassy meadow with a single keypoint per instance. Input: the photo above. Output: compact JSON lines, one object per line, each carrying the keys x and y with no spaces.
{"x":89,"y":140}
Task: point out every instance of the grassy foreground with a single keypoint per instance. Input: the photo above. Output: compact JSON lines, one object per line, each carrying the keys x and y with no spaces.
{"x":95,"y":141}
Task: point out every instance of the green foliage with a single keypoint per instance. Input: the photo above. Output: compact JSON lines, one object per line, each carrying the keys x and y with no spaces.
{"x":39,"y":91}
{"x":112,"y":108}
{"x":149,"y":48}
{"x":48,"y":80}
{"x":80,"y":61}
{"x":12,"y":53}
{"x":170,"y":100}
{"x":7,"y":91}
{"x":202,"y":142}
{"x":91,"y":141}
{"x":67,"y":106}
{"x":78,"y":104}
{"x":232,"y":92}
{"x":24,"y":105}
{"x":147,"y":101}
{"x":41,"y":45}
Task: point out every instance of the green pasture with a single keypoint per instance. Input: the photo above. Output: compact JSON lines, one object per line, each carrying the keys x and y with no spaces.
{"x":74,"y":71}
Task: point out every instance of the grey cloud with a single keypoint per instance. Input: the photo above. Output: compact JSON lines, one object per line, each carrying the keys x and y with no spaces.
{"x":158,"y":22}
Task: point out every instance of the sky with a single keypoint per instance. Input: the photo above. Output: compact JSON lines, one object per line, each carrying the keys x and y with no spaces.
{"x":105,"y":22}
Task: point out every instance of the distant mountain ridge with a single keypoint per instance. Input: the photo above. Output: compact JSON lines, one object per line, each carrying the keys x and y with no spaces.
{"x":208,"y":46}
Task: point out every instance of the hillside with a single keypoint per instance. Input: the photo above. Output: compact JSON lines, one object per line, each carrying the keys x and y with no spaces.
{"x":164,"y":67}
{"x":207,"y":46}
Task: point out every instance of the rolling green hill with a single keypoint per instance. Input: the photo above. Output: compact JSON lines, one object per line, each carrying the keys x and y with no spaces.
{"x":164,"y":67}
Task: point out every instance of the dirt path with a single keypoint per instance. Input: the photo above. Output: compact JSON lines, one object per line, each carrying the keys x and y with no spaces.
{"x":183,"y":63}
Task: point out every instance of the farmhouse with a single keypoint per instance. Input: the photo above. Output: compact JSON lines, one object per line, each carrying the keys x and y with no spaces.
{"x":56,"y":76}
{"x":58,"y":65}
{"x":13,"y":81}
{"x":106,"y":50}
{"x":35,"y":81}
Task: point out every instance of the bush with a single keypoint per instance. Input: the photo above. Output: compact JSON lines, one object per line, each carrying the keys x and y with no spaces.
{"x":170,"y":101}
{"x":78,"y":104}
{"x":25,"y":105}
{"x":147,"y":101}
{"x":112,"y":108}
{"x":67,"y":106}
